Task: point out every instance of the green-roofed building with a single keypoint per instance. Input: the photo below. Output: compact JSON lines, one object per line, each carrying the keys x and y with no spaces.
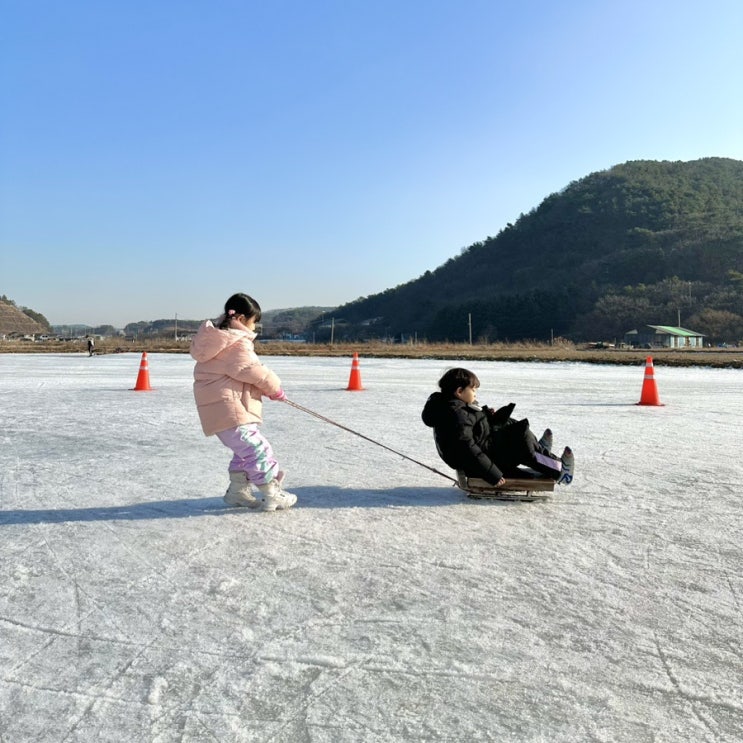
{"x":664,"y":336}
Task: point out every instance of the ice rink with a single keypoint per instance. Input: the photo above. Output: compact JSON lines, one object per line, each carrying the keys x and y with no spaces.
{"x":386,"y":606}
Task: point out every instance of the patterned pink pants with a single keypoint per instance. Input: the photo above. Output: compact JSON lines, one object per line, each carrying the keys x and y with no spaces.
{"x":252,"y":453}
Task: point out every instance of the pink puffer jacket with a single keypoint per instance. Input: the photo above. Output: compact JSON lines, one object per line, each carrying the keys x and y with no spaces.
{"x":229,"y":378}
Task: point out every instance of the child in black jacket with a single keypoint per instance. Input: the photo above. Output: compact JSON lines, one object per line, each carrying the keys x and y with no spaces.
{"x":487,"y":443}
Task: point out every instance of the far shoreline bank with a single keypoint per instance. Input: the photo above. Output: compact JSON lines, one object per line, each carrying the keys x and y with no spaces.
{"x":730,"y":358}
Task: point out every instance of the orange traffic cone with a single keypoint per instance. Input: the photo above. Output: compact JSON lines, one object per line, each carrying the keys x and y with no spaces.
{"x":354,"y":381}
{"x":143,"y":378}
{"x":649,"y":395}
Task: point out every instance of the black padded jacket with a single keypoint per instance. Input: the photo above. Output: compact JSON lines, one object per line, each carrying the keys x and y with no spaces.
{"x":463,"y":435}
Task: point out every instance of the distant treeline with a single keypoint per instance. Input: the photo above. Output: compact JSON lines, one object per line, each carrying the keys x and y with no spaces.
{"x":275,"y":323}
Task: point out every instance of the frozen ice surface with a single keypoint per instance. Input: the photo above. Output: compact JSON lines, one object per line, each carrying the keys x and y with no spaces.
{"x":134,"y":606}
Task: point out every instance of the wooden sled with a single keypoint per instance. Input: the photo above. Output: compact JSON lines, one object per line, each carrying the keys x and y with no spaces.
{"x":531,"y":487}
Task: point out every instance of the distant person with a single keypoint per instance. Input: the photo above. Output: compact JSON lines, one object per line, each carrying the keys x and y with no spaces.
{"x":91,"y":346}
{"x":487,"y":443}
{"x":229,"y":383}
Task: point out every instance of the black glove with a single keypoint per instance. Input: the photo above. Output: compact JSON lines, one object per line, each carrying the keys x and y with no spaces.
{"x":499,"y":417}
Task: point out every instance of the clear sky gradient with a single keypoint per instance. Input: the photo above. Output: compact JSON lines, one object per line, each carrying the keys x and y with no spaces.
{"x":159,"y":155}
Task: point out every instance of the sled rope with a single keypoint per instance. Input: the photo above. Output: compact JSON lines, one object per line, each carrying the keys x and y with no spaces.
{"x":366,"y":438}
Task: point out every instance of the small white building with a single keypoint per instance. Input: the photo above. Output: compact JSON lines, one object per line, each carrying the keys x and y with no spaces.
{"x":664,"y":336}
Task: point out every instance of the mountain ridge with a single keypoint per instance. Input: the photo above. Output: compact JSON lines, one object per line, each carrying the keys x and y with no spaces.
{"x":642,"y":231}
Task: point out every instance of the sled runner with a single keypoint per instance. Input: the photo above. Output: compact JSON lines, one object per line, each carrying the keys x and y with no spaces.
{"x":530,"y":487}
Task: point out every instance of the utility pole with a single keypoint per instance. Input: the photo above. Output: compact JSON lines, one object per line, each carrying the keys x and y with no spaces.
{"x":469,"y":325}
{"x":176,"y":327}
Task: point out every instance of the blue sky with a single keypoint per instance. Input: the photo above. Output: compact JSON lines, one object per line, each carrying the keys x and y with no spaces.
{"x":158,"y":155}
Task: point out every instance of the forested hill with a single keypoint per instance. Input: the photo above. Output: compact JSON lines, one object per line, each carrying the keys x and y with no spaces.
{"x":645,"y":242}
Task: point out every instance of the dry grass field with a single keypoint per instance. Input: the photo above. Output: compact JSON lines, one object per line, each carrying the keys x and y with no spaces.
{"x":527,"y":351}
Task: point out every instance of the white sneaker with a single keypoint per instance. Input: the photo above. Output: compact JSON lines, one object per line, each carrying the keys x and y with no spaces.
{"x":568,"y":467}
{"x":239,"y":493}
{"x":273,"y":498}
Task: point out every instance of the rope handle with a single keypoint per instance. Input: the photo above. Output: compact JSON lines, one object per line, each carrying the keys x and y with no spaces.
{"x":366,"y":438}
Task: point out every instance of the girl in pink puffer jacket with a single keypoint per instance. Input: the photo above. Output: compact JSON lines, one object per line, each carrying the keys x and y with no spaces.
{"x":229,"y":382}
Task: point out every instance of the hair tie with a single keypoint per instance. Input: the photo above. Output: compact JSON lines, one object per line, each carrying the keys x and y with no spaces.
{"x":230,"y":313}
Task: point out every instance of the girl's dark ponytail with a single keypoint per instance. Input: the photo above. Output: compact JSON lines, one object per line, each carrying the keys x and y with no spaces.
{"x":240,"y":304}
